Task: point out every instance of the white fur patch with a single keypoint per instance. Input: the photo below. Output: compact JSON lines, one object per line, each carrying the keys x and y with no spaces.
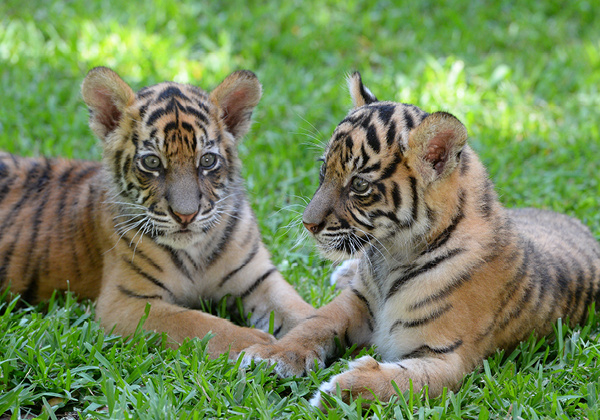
{"x":344,"y":273}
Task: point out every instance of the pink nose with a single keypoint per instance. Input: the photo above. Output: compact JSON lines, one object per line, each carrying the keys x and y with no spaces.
{"x":184,"y":219}
{"x":313,"y":227}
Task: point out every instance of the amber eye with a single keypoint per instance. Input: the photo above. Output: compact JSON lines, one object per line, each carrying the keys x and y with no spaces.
{"x":208,"y":160}
{"x":151,"y":162}
{"x":359,"y":185}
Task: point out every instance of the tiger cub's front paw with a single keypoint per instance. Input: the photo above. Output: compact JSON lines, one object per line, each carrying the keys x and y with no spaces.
{"x":244,"y":338}
{"x":360,"y":380}
{"x":288,"y":361}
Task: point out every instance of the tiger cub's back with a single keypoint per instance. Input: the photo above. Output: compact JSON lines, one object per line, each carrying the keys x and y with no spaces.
{"x":561,"y":262}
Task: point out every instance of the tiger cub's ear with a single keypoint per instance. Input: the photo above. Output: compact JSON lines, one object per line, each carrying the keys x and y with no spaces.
{"x":106,"y":96}
{"x":436,"y":144}
{"x":237,"y":96}
{"x":359,"y":92}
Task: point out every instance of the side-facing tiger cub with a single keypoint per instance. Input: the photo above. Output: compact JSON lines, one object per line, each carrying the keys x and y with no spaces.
{"x":164,"y":219}
{"x":445,"y":274}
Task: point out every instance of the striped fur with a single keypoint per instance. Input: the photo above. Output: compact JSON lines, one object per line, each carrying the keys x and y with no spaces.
{"x":442,"y":274}
{"x":163,"y":219}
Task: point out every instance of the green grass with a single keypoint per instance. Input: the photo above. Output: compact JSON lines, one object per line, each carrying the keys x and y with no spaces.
{"x":524,"y":77}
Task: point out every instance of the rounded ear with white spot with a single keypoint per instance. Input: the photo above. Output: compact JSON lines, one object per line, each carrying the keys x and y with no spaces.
{"x":237,"y":96}
{"x":359,"y":92}
{"x":437,"y":143}
{"x":107,"y":96}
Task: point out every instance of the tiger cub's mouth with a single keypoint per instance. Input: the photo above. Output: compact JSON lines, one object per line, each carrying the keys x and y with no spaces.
{"x":340,"y":244}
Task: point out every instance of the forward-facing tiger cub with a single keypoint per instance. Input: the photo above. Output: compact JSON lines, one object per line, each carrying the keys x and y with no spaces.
{"x":164,"y":219}
{"x":445,"y":274}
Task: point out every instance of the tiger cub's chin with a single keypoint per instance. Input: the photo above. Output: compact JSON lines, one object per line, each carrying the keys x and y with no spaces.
{"x":446,"y":275}
{"x":162,"y":220}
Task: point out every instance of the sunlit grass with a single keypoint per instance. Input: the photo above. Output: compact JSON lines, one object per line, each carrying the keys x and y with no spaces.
{"x":523,"y":77}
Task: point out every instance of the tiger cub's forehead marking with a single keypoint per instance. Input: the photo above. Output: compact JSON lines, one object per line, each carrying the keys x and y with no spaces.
{"x":370,"y":133}
{"x":177,"y":119}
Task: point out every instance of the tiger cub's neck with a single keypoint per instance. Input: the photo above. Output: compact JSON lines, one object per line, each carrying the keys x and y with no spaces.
{"x":462,"y":225}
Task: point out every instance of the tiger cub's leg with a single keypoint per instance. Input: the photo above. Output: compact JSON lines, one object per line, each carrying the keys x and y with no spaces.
{"x":368,"y":378}
{"x":122,"y":302}
{"x":273,"y":299}
{"x":347,"y":317}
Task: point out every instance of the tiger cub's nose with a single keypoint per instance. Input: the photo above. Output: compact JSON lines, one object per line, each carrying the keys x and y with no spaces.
{"x":314,"y":228}
{"x":184,"y":219}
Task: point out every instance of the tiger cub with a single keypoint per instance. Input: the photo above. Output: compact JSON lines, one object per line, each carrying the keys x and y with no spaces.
{"x":445,"y":275}
{"x":164,"y":219}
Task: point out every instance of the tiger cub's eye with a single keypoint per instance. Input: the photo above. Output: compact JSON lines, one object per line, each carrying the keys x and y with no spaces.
{"x":151,"y":162}
{"x":208,"y":160}
{"x":359,"y":185}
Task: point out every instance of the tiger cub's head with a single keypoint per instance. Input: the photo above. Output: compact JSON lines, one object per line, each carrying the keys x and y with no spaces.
{"x":170,"y":150}
{"x":381,"y":162}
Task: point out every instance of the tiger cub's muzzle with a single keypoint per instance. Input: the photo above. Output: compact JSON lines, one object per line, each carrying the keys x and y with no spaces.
{"x":319,"y":208}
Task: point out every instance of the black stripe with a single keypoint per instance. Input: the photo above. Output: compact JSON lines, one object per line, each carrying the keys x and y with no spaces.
{"x":415,"y":197}
{"x":194,"y":263}
{"x":447,"y":290}
{"x":196,"y":113}
{"x":277,"y":330}
{"x":373,"y":139}
{"x":5,"y":189}
{"x":447,"y":349}
{"x":465,"y":159}
{"x":155,"y":115}
{"x":361,"y":297}
{"x":42,"y":187}
{"x":390,"y":136}
{"x":67,"y":186}
{"x":117,"y":169}
{"x":142,"y":110}
{"x":421,"y":270}
{"x":171,"y":92}
{"x":391,"y":168}
{"x":590,"y":289}
{"x":8,"y":256}
{"x":390,"y":215}
{"x":409,"y":123}
{"x":178,"y":263}
{"x":147,"y":276}
{"x":257,"y":283}
{"x":131,"y":294}
{"x":396,"y":197}
{"x":487,"y":199}
{"x":361,"y":222}
{"x":249,"y":258}
{"x":349,"y":142}
{"x":518,"y":310}
{"x":91,"y":211}
{"x":30,"y":294}
{"x":447,"y":233}
{"x":29,"y":187}
{"x":374,"y":167}
{"x":385,"y":112}
{"x":3,"y":168}
{"x":226,"y":236}
{"x":421,"y":321}
{"x":144,"y":92}
{"x":510,"y":288}
{"x":142,"y":255}
{"x":578,"y":280}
